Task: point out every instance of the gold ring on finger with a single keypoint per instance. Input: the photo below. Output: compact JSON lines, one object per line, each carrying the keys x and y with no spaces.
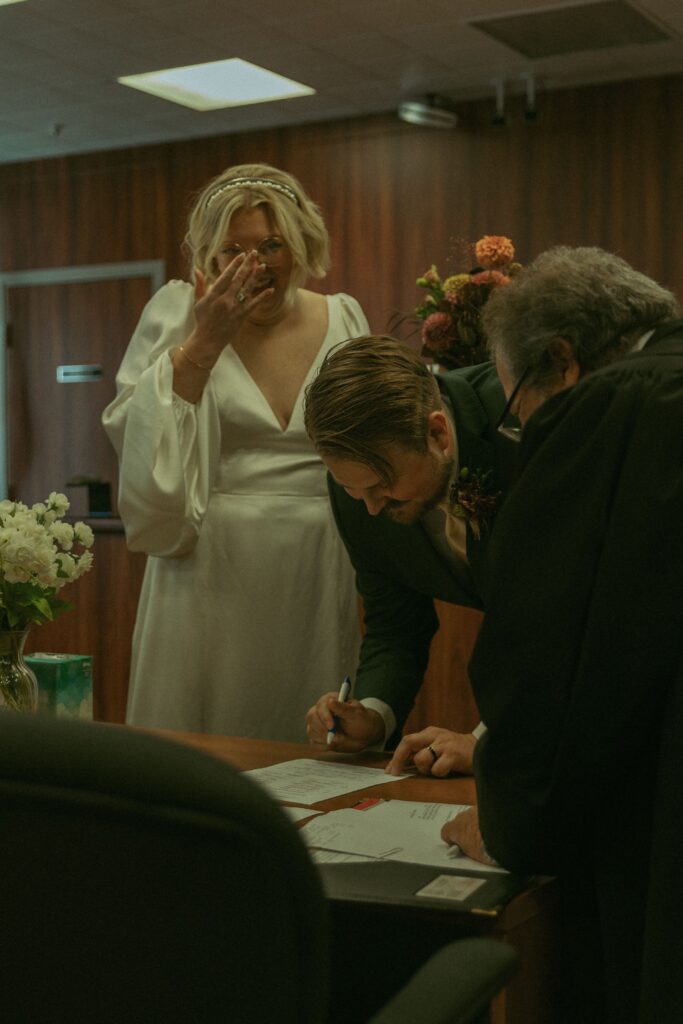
{"x":435,"y":756}
{"x":241,"y":295}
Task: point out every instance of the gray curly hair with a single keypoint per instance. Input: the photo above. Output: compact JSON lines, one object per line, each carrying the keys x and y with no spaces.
{"x":586,"y":296}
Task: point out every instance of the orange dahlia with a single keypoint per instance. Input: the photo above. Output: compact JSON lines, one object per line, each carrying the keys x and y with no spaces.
{"x":493,"y":251}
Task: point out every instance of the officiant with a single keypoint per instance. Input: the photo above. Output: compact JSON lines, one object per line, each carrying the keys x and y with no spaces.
{"x":577,"y":670}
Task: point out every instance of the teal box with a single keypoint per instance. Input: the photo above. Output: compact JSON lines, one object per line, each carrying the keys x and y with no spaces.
{"x":64,"y":683}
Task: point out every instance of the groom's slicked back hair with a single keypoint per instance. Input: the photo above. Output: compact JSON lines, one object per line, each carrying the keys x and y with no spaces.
{"x":370,"y":393}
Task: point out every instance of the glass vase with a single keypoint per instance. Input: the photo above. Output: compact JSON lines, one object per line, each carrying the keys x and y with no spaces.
{"x":18,"y":683}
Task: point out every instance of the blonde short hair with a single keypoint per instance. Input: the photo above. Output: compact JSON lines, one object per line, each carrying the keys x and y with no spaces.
{"x":297,"y":219}
{"x":371,"y":393}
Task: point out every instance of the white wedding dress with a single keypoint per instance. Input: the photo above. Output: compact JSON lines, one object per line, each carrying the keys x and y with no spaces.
{"x":248,"y":609}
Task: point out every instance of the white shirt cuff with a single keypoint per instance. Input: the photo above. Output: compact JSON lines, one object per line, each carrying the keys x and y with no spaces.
{"x":479,"y":731}
{"x":387,"y":716}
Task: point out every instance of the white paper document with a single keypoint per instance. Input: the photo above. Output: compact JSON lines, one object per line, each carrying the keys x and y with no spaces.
{"x":332,"y":857}
{"x":404,"y":830}
{"x":306,"y":781}
{"x":299,"y":813}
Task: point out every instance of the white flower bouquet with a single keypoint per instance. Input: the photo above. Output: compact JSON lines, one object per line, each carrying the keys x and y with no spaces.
{"x":39,"y":554}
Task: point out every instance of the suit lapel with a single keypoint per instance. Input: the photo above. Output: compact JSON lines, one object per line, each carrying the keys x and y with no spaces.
{"x":477,"y":400}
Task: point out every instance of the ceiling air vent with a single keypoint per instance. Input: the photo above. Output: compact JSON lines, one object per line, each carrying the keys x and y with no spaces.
{"x":557,"y":30}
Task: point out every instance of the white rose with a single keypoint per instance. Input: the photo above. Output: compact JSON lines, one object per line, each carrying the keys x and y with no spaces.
{"x":84,"y":535}
{"x":47,"y":576}
{"x":15,"y":574}
{"x":16,"y":550}
{"x":68,"y":568}
{"x":58,"y":502}
{"x":84,"y":563}
{"x":44,"y":555}
{"x":63,"y":533}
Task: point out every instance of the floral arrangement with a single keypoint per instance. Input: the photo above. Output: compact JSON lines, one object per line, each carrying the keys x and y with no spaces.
{"x":451,"y":330}
{"x":472,"y":498}
{"x":39,"y":554}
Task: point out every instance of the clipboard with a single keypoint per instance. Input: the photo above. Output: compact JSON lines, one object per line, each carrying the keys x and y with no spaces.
{"x":397,"y":884}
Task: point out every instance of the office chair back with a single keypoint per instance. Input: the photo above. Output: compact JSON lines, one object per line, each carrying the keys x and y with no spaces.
{"x":142,"y":881}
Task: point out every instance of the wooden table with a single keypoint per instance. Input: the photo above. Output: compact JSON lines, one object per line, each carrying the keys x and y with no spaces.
{"x":396,"y":940}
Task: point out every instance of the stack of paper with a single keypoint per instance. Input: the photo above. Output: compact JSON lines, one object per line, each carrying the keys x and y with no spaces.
{"x":305,"y":781}
{"x":404,"y":830}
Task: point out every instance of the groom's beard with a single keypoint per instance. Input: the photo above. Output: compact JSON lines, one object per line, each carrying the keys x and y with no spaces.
{"x":409,"y":512}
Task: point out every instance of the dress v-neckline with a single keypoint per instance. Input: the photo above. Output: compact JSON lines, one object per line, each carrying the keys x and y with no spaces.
{"x":314,"y":364}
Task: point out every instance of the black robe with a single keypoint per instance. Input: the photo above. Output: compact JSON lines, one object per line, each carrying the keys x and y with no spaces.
{"x":577,"y":676}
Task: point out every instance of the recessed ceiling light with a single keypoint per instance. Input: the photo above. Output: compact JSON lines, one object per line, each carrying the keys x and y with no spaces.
{"x":220,"y":83}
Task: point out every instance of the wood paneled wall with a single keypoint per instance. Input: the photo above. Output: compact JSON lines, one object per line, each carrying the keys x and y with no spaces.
{"x":601,"y":165}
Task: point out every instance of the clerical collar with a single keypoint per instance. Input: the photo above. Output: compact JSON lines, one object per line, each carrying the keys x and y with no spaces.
{"x":643,"y":340}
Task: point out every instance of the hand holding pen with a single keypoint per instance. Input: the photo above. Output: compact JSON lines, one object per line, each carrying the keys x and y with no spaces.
{"x":344,"y":692}
{"x":344,"y":725}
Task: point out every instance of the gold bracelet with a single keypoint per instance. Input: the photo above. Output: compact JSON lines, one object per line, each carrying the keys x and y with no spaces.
{"x":193,"y":362}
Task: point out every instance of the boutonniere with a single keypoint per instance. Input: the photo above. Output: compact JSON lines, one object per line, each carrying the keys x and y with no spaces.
{"x":473,"y":499}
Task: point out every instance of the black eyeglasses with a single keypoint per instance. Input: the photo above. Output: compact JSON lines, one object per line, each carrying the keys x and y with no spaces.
{"x":512,"y":433}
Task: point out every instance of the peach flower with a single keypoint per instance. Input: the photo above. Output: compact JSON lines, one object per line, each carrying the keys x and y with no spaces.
{"x":493,"y":251}
{"x":493,"y":277}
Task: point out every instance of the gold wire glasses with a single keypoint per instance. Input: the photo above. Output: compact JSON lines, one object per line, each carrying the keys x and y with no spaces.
{"x":270,"y":251}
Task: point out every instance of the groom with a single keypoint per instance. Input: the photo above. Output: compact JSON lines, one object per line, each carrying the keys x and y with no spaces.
{"x":418,"y":470}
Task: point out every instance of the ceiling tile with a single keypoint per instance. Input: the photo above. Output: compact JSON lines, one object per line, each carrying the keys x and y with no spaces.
{"x":59,"y":60}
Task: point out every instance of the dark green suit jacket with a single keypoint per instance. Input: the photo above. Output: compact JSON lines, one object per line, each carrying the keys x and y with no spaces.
{"x":577,"y":672}
{"x":399,"y":572}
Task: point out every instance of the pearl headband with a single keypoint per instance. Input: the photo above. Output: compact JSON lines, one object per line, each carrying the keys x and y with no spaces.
{"x":285,"y":190}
